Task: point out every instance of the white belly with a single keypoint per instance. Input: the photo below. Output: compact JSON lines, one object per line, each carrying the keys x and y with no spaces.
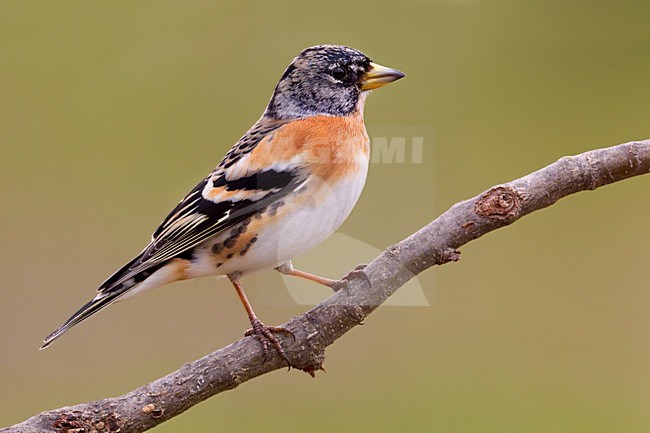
{"x":305,"y":221}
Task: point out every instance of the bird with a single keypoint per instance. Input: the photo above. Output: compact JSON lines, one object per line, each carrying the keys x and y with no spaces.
{"x":285,"y":186}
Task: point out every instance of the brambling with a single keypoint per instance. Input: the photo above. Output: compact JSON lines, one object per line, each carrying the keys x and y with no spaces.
{"x":282,"y":189}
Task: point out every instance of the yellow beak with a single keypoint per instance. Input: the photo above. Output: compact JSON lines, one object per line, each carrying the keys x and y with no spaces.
{"x":378,"y":76}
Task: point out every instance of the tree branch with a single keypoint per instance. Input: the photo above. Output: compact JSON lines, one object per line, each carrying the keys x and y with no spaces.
{"x":366,"y":289}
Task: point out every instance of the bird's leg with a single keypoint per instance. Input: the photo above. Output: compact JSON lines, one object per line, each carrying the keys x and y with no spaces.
{"x":263,"y":333}
{"x":287,"y":269}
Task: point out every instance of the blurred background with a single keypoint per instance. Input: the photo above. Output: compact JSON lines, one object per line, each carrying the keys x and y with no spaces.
{"x":111,"y":111}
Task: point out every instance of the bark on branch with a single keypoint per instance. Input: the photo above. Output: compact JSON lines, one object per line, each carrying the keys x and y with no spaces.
{"x":367,"y":288}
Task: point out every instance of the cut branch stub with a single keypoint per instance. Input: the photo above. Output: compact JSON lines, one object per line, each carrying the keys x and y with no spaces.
{"x":500,"y":202}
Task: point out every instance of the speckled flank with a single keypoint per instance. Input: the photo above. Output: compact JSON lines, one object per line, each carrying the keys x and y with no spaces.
{"x":272,"y":209}
{"x":240,"y":239}
{"x":252,"y":240}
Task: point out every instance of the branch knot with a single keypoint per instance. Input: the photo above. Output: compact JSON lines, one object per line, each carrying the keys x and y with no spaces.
{"x":500,"y":202}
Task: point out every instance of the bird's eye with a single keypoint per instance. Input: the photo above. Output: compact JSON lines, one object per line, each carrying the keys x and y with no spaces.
{"x":339,"y":73}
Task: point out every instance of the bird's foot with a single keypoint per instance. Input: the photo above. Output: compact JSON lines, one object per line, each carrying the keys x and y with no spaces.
{"x":344,"y":283}
{"x":265,"y":335}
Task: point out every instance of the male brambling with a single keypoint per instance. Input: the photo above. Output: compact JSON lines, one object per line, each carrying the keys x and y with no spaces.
{"x":282,"y":189}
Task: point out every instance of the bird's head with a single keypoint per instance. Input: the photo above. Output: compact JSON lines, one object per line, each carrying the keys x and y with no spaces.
{"x":327,"y":80}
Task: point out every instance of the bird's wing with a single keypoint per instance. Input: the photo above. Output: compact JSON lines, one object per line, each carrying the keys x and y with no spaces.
{"x":246,"y":181}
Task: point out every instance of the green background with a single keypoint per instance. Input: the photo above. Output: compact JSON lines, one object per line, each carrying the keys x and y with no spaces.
{"x":111,"y":111}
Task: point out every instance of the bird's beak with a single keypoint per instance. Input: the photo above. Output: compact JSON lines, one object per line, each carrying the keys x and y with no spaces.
{"x":378,"y":76}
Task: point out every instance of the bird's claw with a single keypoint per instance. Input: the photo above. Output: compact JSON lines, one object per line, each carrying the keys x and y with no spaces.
{"x":344,"y":283}
{"x":265,"y":335}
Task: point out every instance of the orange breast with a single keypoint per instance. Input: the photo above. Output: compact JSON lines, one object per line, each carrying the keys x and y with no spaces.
{"x":332,"y":147}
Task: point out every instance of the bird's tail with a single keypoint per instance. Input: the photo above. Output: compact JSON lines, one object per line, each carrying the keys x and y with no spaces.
{"x":114,"y":289}
{"x":99,"y":302}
